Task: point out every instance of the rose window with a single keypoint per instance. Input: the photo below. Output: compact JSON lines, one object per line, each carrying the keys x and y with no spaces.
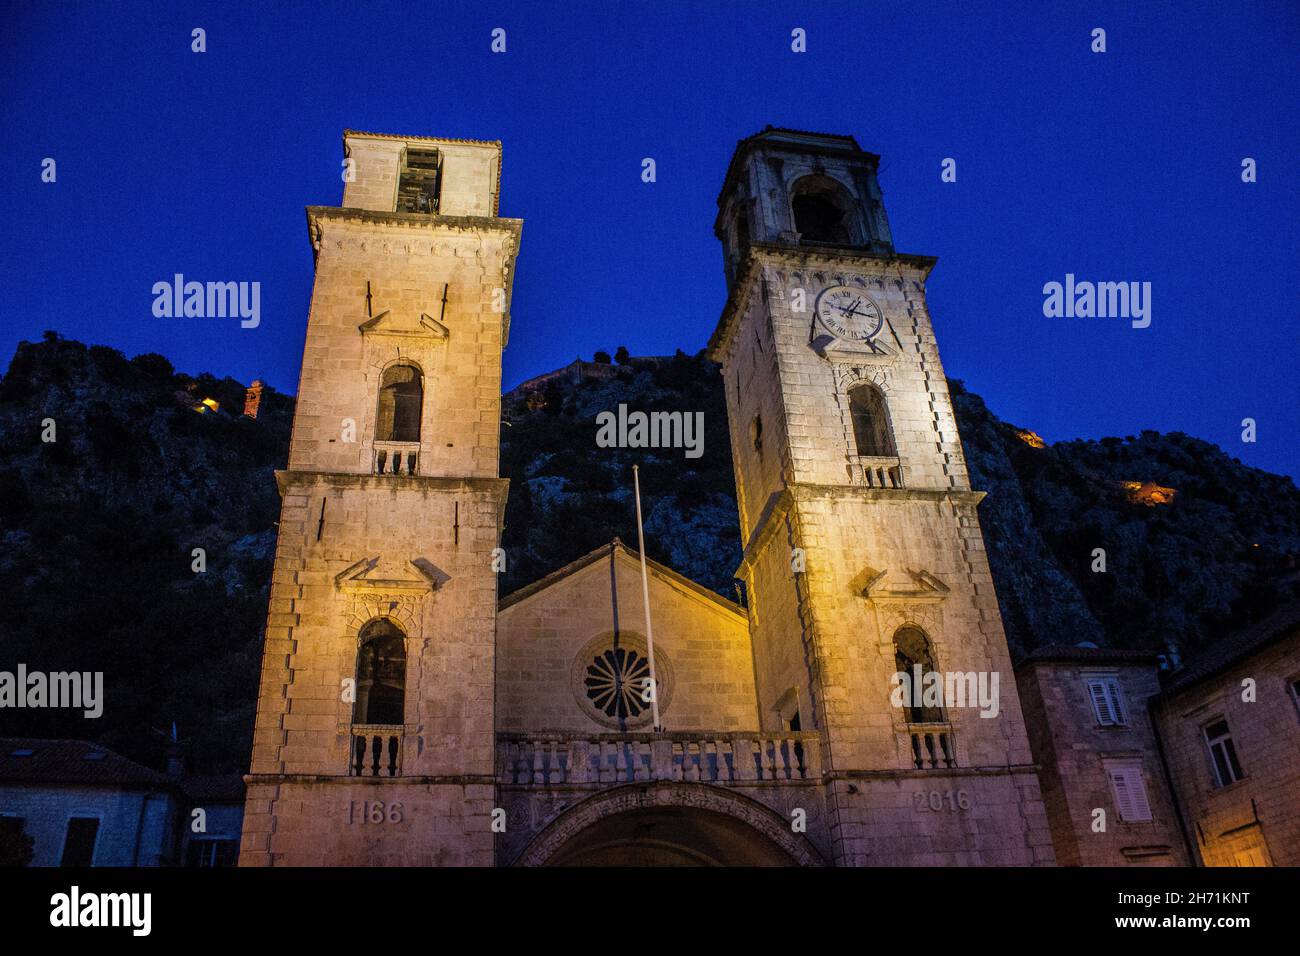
{"x":616,"y":681}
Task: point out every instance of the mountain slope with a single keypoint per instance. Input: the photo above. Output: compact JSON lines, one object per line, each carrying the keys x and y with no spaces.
{"x":99,"y":528}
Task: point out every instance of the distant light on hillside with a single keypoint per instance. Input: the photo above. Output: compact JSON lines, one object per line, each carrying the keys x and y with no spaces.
{"x":1149,"y":493}
{"x":1030,"y":438}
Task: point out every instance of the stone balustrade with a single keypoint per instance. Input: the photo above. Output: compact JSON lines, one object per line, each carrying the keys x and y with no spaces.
{"x":376,"y":750}
{"x":881,"y":472}
{"x":396,"y":457}
{"x":932,"y":746}
{"x":539,"y":759}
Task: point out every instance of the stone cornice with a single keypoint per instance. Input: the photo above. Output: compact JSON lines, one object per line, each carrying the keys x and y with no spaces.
{"x":459,"y":779}
{"x":285,"y":479}
{"x":931,"y":773}
{"x":363,"y":134}
{"x":413,"y":220}
{"x":807,"y":491}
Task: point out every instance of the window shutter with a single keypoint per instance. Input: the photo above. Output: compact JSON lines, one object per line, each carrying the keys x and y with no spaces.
{"x":1130,"y":794}
{"x":1116,"y":705}
{"x":1101,"y":703}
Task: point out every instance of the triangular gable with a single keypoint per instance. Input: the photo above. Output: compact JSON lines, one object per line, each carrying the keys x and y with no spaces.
{"x":357,"y":577}
{"x":385,"y":323}
{"x":914,"y":587}
{"x":661,"y":573}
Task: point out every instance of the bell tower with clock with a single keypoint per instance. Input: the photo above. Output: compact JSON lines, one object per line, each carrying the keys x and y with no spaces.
{"x":863,"y":556}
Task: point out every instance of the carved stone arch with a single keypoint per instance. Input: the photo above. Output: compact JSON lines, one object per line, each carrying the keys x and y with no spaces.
{"x":635,"y":797}
{"x":382,"y":365}
{"x":928,"y":620}
{"x":401,"y":609}
{"x":927,"y":617}
{"x":847,"y":376}
{"x":800,"y":171}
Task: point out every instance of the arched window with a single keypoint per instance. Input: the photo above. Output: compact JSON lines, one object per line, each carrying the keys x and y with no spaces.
{"x":870,"y":422}
{"x":742,"y":233}
{"x":823,"y":211}
{"x":401,"y":399}
{"x":381,"y":675}
{"x":912,"y":648}
{"x":739,"y":247}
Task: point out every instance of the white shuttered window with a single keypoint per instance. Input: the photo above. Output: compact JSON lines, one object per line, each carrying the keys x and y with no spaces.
{"x":1107,"y":704}
{"x":1130,"y":792}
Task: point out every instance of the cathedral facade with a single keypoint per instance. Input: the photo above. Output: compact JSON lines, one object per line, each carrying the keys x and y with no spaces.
{"x":408,"y":714}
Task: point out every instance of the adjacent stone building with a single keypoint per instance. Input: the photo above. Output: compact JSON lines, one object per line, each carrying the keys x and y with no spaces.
{"x":1103,"y":778}
{"x":81,"y":804}
{"x":1146,"y":764}
{"x":1229,"y":724}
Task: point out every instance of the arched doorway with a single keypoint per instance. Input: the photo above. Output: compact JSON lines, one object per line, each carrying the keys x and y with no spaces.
{"x":668,"y":825}
{"x":669,"y":836}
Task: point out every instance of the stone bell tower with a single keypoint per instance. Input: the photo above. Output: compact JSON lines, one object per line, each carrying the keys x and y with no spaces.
{"x":863,"y":555}
{"x":374,"y":735}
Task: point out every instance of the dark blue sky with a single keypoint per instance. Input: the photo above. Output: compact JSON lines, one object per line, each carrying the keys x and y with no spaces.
{"x":1123,"y":166}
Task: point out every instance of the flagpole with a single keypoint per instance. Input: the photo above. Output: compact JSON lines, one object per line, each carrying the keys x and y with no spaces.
{"x":645,"y":594}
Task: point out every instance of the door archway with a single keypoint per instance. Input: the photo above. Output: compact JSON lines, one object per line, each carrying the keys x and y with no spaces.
{"x":669,"y":825}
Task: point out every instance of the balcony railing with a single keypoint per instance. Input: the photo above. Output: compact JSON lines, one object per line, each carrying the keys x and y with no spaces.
{"x":881,"y":472}
{"x":376,"y":750}
{"x":727,"y":758}
{"x":932,"y":746}
{"x":396,"y":457}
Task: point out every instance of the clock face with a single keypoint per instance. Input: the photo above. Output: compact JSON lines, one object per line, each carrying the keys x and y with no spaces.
{"x":849,"y":314}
